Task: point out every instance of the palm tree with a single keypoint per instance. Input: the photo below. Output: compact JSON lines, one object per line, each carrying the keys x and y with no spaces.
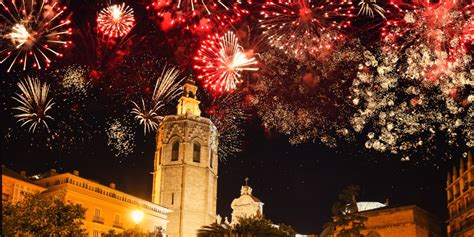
{"x":347,"y":222}
{"x":215,"y":230}
{"x":246,"y":227}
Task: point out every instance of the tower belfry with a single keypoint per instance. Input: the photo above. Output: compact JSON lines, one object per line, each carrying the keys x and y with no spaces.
{"x":185,"y":167}
{"x":188,"y":103}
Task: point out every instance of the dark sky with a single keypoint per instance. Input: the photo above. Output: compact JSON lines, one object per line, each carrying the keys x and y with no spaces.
{"x":298,"y":184}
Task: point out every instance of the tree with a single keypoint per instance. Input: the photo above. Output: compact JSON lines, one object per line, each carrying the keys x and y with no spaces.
{"x":346,"y":220}
{"x":215,"y":230}
{"x":39,"y":215}
{"x":135,"y":232}
{"x":246,"y":227}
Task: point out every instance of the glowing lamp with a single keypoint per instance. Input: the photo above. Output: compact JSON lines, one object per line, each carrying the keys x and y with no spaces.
{"x":137,"y":216}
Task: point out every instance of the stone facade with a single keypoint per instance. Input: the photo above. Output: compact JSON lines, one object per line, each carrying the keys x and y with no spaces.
{"x":106,"y":207}
{"x":185,"y":169}
{"x":404,"y":221}
{"x":460,"y":192}
{"x":15,"y":185}
{"x":246,"y":205}
{"x":409,"y":221}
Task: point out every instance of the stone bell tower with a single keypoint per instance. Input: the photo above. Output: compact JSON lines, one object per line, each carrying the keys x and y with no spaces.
{"x":185,"y":167}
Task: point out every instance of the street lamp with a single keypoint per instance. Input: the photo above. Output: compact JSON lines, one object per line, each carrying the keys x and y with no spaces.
{"x":137,"y":216}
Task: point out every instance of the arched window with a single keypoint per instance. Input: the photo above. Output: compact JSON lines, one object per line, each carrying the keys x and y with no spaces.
{"x":175,"y":151}
{"x":211,"y":158}
{"x":197,"y":152}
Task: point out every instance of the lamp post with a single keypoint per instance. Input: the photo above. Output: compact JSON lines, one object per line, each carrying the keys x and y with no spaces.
{"x":137,"y":217}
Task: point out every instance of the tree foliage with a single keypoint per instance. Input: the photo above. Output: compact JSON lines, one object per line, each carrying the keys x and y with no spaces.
{"x":39,"y":215}
{"x":135,"y":232}
{"x":346,"y":220}
{"x":246,"y":227}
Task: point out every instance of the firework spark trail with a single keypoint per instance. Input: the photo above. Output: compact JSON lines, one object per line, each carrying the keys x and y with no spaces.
{"x":197,"y":15}
{"x":228,"y":115}
{"x":220,"y":61}
{"x":167,"y":88}
{"x":116,"y":20}
{"x":34,"y":32}
{"x":369,"y":8}
{"x":149,"y":118}
{"x":305,"y":27}
{"x":34,"y":104}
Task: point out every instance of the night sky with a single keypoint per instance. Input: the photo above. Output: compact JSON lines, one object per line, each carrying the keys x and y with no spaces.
{"x":298,"y":183}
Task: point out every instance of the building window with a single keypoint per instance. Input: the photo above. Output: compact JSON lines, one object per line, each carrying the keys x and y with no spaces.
{"x":197,"y":152}
{"x":97,"y":212}
{"x":159,"y":156}
{"x":95,"y":233}
{"x":175,"y":151}
{"x":172,"y":198}
{"x":211,"y":158}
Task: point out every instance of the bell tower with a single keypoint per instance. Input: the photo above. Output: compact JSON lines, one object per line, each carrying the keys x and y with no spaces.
{"x":185,"y":167}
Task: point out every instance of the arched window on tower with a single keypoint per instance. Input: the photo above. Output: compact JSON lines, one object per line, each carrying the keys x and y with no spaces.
{"x":175,"y":151}
{"x":197,"y":152}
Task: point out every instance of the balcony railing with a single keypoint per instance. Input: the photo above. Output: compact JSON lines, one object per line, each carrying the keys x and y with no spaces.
{"x":98,"y":219}
{"x":118,"y":225}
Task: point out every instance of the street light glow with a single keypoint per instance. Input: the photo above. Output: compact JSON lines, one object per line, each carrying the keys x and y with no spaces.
{"x":137,"y":216}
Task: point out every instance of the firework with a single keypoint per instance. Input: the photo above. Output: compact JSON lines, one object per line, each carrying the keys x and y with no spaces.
{"x":446,"y":25}
{"x":168,"y":84}
{"x":368,"y":7}
{"x":197,"y":15}
{"x":120,"y":137}
{"x":147,"y":117}
{"x":74,"y":78}
{"x":34,"y":105}
{"x":33,"y":32}
{"x":116,"y":20}
{"x":228,"y":115}
{"x":220,"y":62}
{"x":400,"y":113}
{"x":302,"y":28}
{"x":304,"y":101}
{"x":167,"y":88}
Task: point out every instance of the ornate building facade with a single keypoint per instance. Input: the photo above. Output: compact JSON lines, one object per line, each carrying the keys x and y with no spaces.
{"x":246,"y":205}
{"x":460,"y":193}
{"x":107,"y":209}
{"x":185,"y":167}
{"x":15,"y":185}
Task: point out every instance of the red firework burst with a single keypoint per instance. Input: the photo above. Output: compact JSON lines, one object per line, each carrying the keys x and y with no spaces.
{"x":448,"y":25}
{"x":305,"y":27}
{"x":196,"y":15}
{"x":116,"y":20}
{"x":220,"y":60}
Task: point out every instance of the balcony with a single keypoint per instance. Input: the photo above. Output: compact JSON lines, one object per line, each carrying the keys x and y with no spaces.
{"x":98,"y":219}
{"x":118,"y":225}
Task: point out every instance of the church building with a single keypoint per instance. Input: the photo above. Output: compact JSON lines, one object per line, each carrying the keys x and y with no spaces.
{"x":246,"y":205}
{"x":185,"y":167}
